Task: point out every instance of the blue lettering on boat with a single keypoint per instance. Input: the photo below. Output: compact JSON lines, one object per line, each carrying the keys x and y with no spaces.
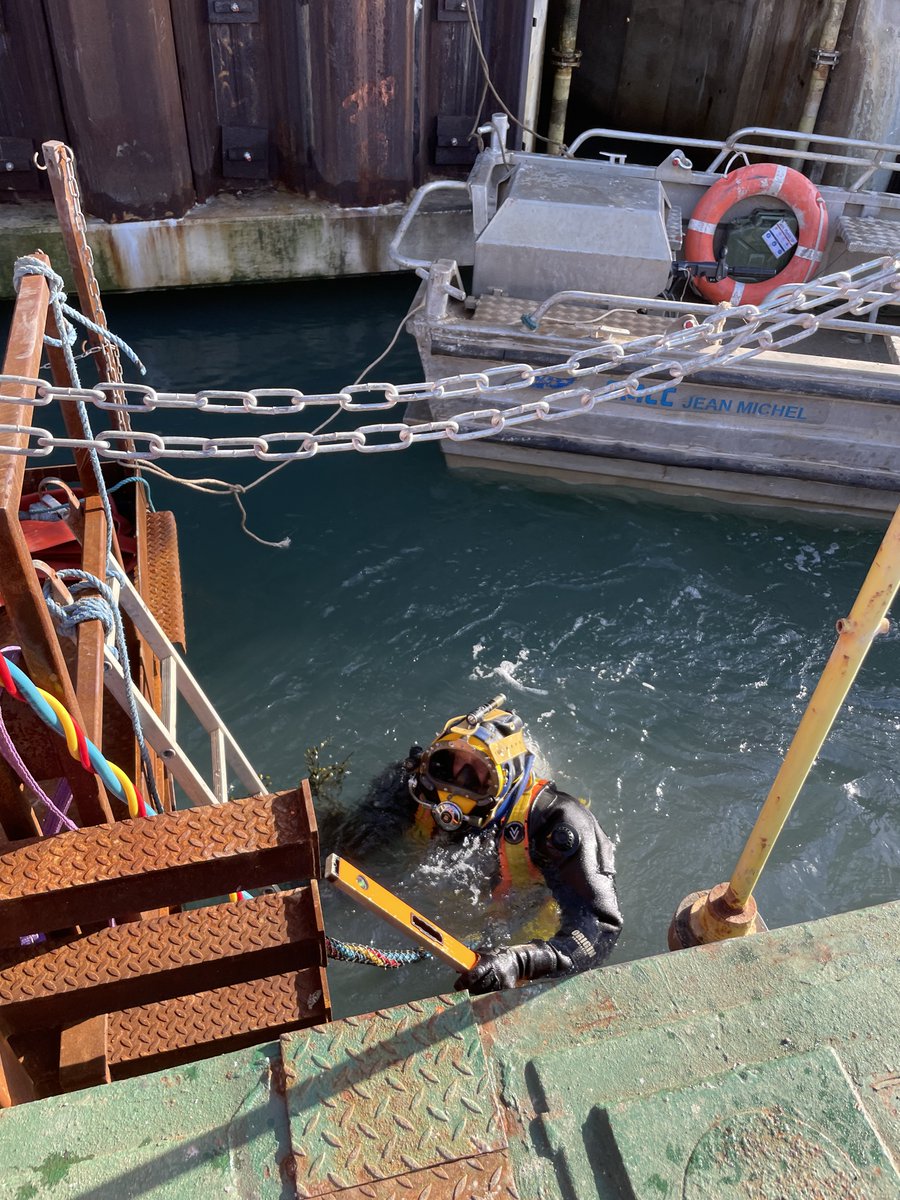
{"x":644,"y":396}
{"x":546,"y":382}
{"x":770,"y":408}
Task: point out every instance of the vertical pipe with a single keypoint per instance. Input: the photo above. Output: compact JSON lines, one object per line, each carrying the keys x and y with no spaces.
{"x":855,"y":636}
{"x":565,"y":58}
{"x":819,"y":77}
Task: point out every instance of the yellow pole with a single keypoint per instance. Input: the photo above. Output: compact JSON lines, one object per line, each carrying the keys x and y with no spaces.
{"x":855,"y":635}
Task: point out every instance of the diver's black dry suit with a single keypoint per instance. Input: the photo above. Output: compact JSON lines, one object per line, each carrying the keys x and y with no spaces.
{"x":577,"y":861}
{"x":567,"y":845}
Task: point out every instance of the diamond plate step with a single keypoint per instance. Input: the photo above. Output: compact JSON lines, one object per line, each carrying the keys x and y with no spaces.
{"x":387,"y":1095}
{"x":163,"y":957}
{"x":164,"y":594}
{"x":87,"y":875}
{"x":150,"y":1037}
{"x":485,"y":1177}
{"x":869,"y":235}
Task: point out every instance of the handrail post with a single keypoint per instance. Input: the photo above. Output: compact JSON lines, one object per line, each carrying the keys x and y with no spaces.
{"x":729,"y":909}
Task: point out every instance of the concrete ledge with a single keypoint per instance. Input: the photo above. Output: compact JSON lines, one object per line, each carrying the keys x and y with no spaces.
{"x":236,"y":239}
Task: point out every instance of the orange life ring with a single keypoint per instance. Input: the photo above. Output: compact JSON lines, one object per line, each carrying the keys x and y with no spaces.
{"x":760,"y":179}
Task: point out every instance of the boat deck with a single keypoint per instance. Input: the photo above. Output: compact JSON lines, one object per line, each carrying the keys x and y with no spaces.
{"x":707,"y":1073}
{"x":584,"y":324}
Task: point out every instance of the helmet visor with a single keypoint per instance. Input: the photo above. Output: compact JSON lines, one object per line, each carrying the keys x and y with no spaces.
{"x":459,"y":768}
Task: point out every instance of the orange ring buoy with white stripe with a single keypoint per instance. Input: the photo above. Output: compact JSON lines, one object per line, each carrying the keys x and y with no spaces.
{"x":760,"y":179}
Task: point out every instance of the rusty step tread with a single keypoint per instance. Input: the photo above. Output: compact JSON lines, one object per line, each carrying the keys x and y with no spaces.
{"x":88,"y":875}
{"x":163,"y":590}
{"x":151,"y":1037}
{"x":163,"y":957}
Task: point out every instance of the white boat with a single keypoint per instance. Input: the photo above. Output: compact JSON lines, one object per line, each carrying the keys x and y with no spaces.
{"x":574,"y":258}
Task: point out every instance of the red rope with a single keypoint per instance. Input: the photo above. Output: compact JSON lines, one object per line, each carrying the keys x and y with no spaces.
{"x":7,"y":680}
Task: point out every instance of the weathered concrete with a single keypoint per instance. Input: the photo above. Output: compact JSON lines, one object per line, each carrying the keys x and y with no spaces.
{"x":764,"y":1066}
{"x":256,"y":238}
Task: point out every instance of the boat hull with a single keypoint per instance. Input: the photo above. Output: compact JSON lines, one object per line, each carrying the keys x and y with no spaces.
{"x":771,"y":442}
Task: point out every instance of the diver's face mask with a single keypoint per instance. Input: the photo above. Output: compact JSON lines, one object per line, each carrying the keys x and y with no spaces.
{"x":470,"y":767}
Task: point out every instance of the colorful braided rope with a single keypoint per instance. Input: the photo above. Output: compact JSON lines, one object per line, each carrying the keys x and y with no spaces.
{"x":57,"y":717}
{"x":387,"y":959}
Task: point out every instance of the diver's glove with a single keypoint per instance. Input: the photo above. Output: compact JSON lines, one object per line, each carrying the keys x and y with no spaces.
{"x":499,"y":969}
{"x":494,"y":971}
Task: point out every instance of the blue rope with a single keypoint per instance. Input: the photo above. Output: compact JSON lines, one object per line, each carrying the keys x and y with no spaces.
{"x":33,"y":266}
{"x":134,"y":479}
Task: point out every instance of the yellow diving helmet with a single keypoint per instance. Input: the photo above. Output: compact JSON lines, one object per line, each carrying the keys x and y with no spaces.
{"x":477,"y":762}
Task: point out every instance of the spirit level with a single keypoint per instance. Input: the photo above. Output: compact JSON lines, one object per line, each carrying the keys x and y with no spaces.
{"x":354,"y":883}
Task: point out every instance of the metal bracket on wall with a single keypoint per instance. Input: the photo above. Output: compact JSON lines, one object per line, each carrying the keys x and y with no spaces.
{"x":16,"y":154}
{"x":454,"y":10}
{"x":452,"y":145}
{"x":245,"y":152}
{"x":233,"y":12}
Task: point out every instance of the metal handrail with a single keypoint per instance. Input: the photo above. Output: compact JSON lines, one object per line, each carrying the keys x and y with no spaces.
{"x":416,"y":264}
{"x":733,"y":145}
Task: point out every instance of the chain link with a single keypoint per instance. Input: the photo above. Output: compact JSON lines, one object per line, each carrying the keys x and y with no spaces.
{"x":643,"y":366}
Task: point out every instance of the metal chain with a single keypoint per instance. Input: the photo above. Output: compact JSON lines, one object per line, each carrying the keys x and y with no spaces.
{"x":728,"y":336}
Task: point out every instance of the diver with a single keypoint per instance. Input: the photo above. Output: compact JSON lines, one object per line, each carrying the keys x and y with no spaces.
{"x":477,"y":778}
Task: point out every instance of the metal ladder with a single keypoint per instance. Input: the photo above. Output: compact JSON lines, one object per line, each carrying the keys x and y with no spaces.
{"x":177,"y":680}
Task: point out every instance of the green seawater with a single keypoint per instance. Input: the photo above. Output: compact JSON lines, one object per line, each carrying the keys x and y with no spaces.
{"x":660,"y":656}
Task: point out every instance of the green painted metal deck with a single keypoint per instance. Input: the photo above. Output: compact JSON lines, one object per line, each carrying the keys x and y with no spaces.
{"x":761,"y":1068}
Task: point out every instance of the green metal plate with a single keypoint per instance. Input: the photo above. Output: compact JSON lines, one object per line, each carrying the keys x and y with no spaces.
{"x":386,"y":1094}
{"x":213,"y":1128}
{"x":785,"y":1130}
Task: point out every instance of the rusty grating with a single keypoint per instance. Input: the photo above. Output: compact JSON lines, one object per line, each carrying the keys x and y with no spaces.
{"x":162,"y":957}
{"x":91,"y":874}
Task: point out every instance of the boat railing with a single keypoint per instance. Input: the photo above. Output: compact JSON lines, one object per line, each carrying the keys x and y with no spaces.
{"x":869,"y":156}
{"x":160,"y":729}
{"x":420,"y":265}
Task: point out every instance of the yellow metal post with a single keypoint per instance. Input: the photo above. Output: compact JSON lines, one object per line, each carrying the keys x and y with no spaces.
{"x":855,"y":635}
{"x":729,"y":910}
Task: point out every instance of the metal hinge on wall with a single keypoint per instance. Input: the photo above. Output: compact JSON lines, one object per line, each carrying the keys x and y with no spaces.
{"x":233,"y":12}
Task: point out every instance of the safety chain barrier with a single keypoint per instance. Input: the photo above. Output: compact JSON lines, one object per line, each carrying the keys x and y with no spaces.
{"x":729,"y":335}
